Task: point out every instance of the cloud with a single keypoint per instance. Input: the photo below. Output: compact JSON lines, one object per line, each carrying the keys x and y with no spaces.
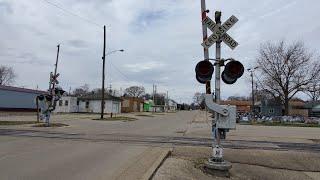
{"x":139,"y":67}
{"x":161,"y":40}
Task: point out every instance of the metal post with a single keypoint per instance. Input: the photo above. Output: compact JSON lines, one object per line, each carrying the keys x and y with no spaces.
{"x":252,"y":91}
{"x":204,"y":12}
{"x":216,"y":163}
{"x":37,"y":103}
{"x":217,"y":90}
{"x":103,"y":71}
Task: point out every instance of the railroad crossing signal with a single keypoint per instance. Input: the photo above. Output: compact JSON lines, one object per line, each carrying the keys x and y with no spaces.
{"x":219,"y":32}
{"x":232,"y":71}
{"x":204,"y":71}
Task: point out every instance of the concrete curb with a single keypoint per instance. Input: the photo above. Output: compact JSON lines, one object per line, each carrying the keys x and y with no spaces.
{"x":156,"y":165}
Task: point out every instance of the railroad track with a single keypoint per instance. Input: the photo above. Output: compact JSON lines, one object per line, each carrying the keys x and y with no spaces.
{"x":162,"y":140}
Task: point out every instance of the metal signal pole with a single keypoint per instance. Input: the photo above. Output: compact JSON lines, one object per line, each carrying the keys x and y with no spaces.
{"x":103,"y":71}
{"x":217,"y":78}
{"x":204,"y":12}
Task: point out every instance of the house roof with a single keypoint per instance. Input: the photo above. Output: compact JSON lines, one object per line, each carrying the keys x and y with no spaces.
{"x":236,"y":103}
{"x":99,"y":97}
{"x":18,"y":89}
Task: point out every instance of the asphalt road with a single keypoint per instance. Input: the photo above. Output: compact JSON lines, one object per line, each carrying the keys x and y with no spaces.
{"x":76,"y":152}
{"x":90,"y":149}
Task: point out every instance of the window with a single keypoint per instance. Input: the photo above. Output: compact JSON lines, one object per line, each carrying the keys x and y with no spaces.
{"x":271,"y":110}
{"x":87,"y":104}
{"x":66,"y":103}
{"x":60,"y":102}
{"x":78,"y":103}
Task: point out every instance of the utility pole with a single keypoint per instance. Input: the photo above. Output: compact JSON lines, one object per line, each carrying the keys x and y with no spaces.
{"x":153,"y":97}
{"x":167,"y":101}
{"x":52,"y":84}
{"x":103,"y":71}
{"x":251,"y":70}
{"x":252,"y":109}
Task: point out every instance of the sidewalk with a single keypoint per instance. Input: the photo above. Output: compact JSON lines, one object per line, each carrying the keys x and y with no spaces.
{"x":186,"y":162}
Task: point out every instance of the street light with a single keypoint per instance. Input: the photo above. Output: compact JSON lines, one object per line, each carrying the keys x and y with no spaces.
{"x":251,"y":70}
{"x":103,"y":77}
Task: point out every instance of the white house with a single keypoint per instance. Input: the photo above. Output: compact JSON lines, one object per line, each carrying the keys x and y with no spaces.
{"x":67,"y":104}
{"x":90,"y":104}
{"x":172,"y":105}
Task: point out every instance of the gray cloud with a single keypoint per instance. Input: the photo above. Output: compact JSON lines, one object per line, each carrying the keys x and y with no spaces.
{"x":161,"y":40}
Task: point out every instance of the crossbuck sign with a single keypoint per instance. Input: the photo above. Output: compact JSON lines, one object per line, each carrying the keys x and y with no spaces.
{"x":220,"y":32}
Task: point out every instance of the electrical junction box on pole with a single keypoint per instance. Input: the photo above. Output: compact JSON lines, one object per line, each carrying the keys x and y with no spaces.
{"x":227,"y":114}
{"x":227,"y":122}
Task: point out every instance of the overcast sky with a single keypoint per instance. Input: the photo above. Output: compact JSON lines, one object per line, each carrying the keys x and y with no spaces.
{"x":161,"y":39}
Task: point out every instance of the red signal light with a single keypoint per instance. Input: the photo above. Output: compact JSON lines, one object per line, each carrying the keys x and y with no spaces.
{"x":204,"y":71}
{"x":232,"y":71}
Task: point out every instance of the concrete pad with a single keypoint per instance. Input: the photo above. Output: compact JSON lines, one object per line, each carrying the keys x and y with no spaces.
{"x":247,"y":164}
{"x":142,"y":167}
{"x":292,"y":160}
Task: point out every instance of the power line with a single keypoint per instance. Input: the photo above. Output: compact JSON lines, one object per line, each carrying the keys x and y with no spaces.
{"x":115,"y":67}
{"x":71,"y":13}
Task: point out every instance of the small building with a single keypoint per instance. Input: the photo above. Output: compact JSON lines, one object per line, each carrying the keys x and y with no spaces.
{"x":18,"y":99}
{"x":172,"y":105}
{"x":313,"y":108}
{"x":296,"y":108}
{"x":67,"y":104}
{"x":89,"y":104}
{"x":147,"y":104}
{"x":242,"y":106}
{"x":271,"y":107}
{"x":131,"y":104}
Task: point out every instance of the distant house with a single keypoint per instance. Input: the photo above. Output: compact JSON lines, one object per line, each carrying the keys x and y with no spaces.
{"x":67,"y":104}
{"x":172,"y":105}
{"x":296,"y":108}
{"x":271,"y":107}
{"x":313,"y":108}
{"x":18,"y":99}
{"x":242,"y":106}
{"x":131,"y":104}
{"x":89,"y":103}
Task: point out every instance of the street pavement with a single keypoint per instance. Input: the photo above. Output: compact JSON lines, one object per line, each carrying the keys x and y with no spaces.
{"x":89,"y":149}
{"x":51,"y":153}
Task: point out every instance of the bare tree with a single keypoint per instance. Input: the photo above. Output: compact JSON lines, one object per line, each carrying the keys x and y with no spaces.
{"x":81,"y":91}
{"x":313,"y":90}
{"x":286,"y":69}
{"x":198,"y":98}
{"x":134,"y":91}
{"x":7,"y":75}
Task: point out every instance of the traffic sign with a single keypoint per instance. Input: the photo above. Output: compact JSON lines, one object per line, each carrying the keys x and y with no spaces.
{"x":229,"y":41}
{"x":218,"y":31}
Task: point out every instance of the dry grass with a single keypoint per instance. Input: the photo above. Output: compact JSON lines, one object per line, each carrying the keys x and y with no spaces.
{"x":12,"y":123}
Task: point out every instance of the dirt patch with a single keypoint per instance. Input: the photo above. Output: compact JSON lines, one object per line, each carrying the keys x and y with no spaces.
{"x":50,"y":125}
{"x":144,"y":115}
{"x":118,"y":118}
{"x":11,"y":123}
